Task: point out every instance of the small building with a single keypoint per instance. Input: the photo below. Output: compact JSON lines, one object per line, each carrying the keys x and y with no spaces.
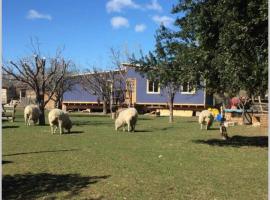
{"x":145,"y":95}
{"x":8,"y":91}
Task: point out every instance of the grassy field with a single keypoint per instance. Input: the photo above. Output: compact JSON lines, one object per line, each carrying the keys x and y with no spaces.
{"x":158,"y":161}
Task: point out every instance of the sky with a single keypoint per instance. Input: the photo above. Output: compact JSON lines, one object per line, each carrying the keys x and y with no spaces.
{"x":86,"y":29}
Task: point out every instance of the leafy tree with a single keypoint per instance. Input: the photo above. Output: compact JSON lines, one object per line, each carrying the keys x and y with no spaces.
{"x":230,"y":42}
{"x":165,"y":65}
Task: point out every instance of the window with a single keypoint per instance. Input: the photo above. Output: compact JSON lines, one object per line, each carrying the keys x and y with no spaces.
{"x":23,"y":93}
{"x":153,"y":87}
{"x":187,"y":88}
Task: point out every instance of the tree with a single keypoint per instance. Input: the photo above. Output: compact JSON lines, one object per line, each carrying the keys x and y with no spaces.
{"x":66,"y":83}
{"x":122,"y":77}
{"x":230,"y":41}
{"x":33,"y":72}
{"x":165,"y":65}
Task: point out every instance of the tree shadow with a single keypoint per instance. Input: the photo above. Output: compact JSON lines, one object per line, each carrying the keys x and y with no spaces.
{"x":191,"y":121}
{"x":213,"y":129}
{"x":37,"y":152}
{"x":166,"y":128}
{"x":33,"y":186}
{"x":237,"y":141}
{"x":75,"y":132}
{"x":6,"y":162}
{"x":89,"y":123}
{"x":142,"y":131}
{"x":145,"y":119}
{"x":4,"y":127}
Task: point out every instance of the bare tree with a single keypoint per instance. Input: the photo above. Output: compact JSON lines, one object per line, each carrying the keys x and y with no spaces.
{"x":34,"y":72}
{"x":66,"y":83}
{"x":117,"y":62}
{"x":99,"y":83}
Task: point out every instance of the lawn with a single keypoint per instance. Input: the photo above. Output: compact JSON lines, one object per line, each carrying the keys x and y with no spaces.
{"x":158,"y":161}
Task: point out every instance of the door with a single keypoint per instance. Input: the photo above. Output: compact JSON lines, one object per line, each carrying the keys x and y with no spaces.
{"x":130,"y":91}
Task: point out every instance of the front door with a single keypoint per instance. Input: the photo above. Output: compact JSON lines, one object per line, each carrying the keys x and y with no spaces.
{"x":130,"y":91}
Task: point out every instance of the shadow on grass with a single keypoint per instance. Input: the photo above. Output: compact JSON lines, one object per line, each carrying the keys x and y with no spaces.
{"x":237,"y":141}
{"x":37,"y":152}
{"x":10,"y":126}
{"x":34,"y":186}
{"x":90,"y":123}
{"x":142,"y":131}
{"x":6,"y":162}
{"x":145,"y":119}
{"x":75,"y":132}
{"x":191,"y":121}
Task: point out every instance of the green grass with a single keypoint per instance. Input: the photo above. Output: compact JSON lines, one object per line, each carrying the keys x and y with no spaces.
{"x":159,"y":161}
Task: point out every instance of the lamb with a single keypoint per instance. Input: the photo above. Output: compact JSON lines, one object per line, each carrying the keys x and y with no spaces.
{"x":206,"y":118}
{"x":127,"y":116}
{"x":31,"y":112}
{"x":59,"y":118}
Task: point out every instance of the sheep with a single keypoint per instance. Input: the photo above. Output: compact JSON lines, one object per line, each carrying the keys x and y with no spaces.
{"x":59,"y":118}
{"x":127,"y":116}
{"x":31,"y":112}
{"x":206,"y":118}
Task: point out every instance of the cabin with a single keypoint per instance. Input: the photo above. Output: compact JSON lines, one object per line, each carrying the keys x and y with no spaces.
{"x":145,"y":95}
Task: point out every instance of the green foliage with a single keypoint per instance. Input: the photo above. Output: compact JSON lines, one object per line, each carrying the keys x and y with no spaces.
{"x":231,"y":43}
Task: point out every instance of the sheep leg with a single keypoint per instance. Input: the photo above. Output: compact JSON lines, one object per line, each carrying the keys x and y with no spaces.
{"x":128,"y":126}
{"x":25,"y":119}
{"x":29,"y":123}
{"x":60,"y":127}
{"x":201,"y":126}
{"x":52,"y":131}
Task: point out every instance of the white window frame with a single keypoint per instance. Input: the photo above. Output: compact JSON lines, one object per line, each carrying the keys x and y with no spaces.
{"x":185,"y":92}
{"x":147,"y":88}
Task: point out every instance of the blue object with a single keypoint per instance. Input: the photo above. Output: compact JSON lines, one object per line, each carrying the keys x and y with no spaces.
{"x":219,"y":117}
{"x":233,"y":110}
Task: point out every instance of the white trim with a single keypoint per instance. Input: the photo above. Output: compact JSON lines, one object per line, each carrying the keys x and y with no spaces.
{"x":176,"y":104}
{"x":192,"y":92}
{"x":147,"y":88}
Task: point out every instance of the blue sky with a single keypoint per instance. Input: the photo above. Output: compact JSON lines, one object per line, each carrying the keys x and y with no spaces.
{"x":86,"y":28}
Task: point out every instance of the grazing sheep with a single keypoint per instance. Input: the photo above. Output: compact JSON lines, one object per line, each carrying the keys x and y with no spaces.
{"x":59,"y":118}
{"x":31,"y":112}
{"x":206,"y":118}
{"x":118,"y":111}
{"x":127,"y":116}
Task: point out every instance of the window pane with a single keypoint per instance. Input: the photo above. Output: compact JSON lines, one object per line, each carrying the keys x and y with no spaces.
{"x":190,"y":88}
{"x":185,"y":87}
{"x":150,"y":86}
{"x":155,"y":86}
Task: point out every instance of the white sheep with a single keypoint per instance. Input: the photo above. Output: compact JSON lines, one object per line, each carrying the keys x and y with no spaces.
{"x":206,"y":118}
{"x":59,"y":118}
{"x":31,"y":112}
{"x":127,"y":117}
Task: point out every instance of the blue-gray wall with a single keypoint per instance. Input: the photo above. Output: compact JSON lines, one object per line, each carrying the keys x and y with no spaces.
{"x":143,"y":97}
{"x":78,"y":94}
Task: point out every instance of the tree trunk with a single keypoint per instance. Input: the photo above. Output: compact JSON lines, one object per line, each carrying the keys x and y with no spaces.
{"x":104,"y":107}
{"x":171,"y":110}
{"x":40,"y":101}
{"x":42,"y":116}
{"x":111,"y":106}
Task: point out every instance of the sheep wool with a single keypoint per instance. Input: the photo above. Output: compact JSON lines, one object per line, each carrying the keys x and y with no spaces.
{"x":31,"y":112}
{"x":206,"y":118}
{"x":127,"y":117}
{"x":59,"y":118}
